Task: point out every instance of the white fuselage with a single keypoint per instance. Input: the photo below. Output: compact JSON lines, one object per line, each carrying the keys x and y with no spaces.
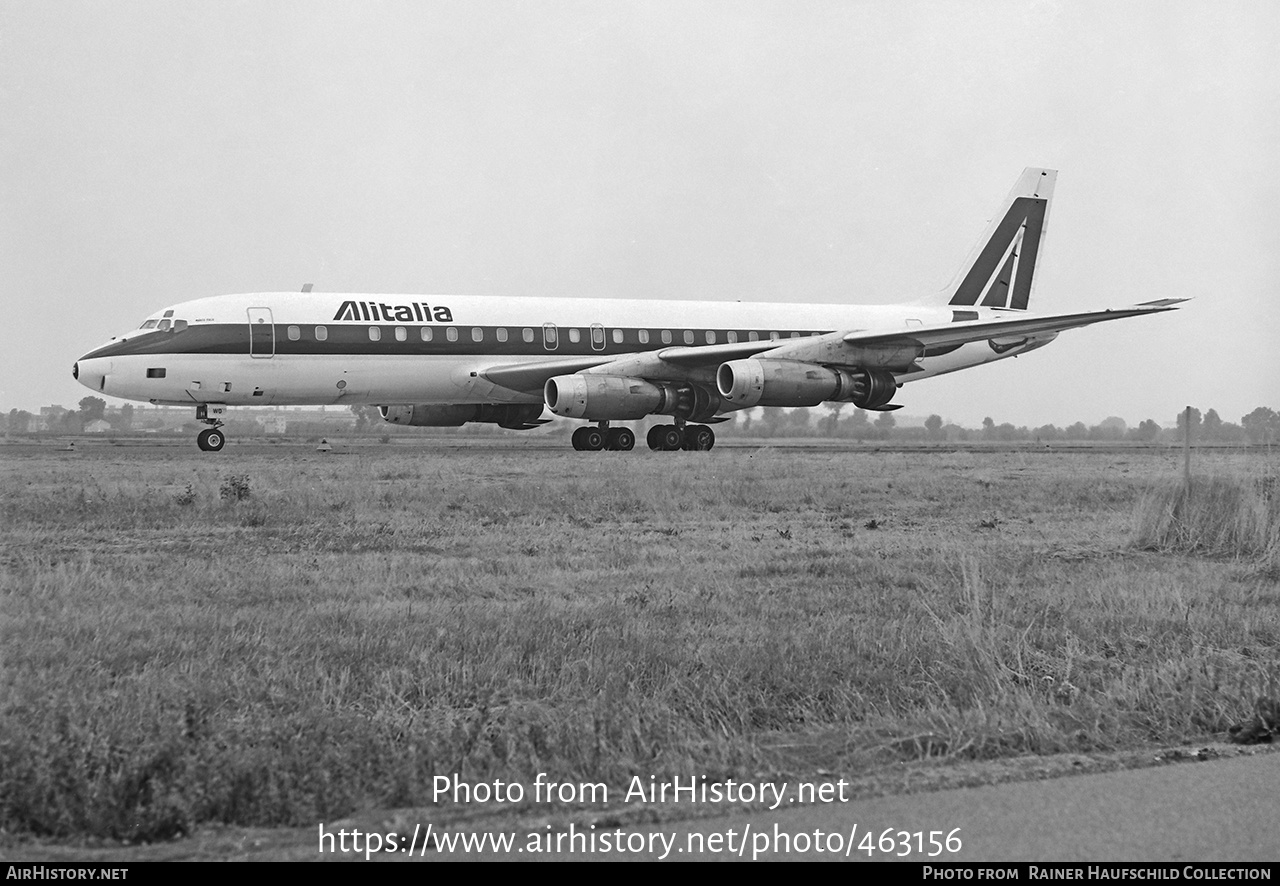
{"x":323,"y":348}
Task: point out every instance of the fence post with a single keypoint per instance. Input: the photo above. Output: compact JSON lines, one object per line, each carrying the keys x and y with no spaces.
{"x":1186,"y":452}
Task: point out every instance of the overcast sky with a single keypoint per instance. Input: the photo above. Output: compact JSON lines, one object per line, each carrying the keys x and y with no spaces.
{"x":152,"y":152}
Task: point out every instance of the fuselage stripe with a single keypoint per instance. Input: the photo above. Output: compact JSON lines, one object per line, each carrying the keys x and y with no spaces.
{"x":350,"y":339}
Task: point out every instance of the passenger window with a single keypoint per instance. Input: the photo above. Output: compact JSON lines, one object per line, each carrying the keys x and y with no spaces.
{"x":617,"y":336}
{"x":527,"y":334}
{"x":501,"y":333}
{"x":753,"y":336}
{"x":375,"y":333}
{"x":575,"y":334}
{"x":426,"y":333}
{"x":688,"y":336}
{"x":711,"y":337}
{"x":795,"y":335}
{"x":295,"y":333}
{"x":477,"y":333}
{"x":666,"y":336}
{"x":402,"y":334}
{"x":773,"y":336}
{"x":155,"y":373}
{"x":550,"y":336}
{"x":597,"y":336}
{"x":643,"y":336}
{"x":322,"y":333}
{"x":731,"y":336}
{"x":451,"y":333}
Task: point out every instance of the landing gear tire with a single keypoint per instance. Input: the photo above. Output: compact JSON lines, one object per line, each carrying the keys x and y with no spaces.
{"x":699,"y":438}
{"x":592,"y":439}
{"x":654,"y":437}
{"x":671,"y":438}
{"x":620,"y":440}
{"x":577,"y":439}
{"x":211,"y":440}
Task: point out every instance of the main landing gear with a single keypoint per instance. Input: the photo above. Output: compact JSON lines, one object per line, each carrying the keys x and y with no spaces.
{"x":690,"y":438}
{"x":211,"y":439}
{"x":666,"y":438}
{"x":590,"y":439}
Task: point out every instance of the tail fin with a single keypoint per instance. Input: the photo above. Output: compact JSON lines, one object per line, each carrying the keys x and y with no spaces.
{"x":999,"y":271}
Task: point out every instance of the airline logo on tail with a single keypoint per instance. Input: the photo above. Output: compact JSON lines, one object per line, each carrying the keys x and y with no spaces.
{"x":1000,"y":276}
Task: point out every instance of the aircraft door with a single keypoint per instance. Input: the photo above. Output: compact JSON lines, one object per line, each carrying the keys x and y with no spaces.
{"x":262,"y":333}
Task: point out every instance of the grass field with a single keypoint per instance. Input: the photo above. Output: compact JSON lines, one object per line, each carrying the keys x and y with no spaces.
{"x":273,"y":635}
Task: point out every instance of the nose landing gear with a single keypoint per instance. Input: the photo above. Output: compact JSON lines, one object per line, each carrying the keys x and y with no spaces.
{"x":211,"y":439}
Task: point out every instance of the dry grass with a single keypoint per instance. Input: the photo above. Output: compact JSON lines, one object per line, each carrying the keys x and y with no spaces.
{"x":338,"y":629}
{"x":1221,"y":516}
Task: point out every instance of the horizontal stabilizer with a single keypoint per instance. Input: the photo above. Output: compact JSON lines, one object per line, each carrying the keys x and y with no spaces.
{"x":963,"y":333}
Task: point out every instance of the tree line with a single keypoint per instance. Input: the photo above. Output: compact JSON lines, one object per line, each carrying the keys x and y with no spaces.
{"x":839,"y":420}
{"x":1262,"y":425}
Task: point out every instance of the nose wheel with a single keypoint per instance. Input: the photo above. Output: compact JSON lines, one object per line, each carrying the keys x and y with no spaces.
{"x":211,"y":440}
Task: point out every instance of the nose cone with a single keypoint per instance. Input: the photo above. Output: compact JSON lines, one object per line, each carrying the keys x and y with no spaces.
{"x":91,"y":372}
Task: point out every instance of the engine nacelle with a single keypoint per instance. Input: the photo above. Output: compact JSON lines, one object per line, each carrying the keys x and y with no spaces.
{"x":607,"y":398}
{"x":755,"y":382}
{"x":425,"y":415}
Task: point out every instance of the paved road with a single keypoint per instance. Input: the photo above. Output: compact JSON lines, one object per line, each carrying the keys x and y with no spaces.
{"x":1223,"y":810}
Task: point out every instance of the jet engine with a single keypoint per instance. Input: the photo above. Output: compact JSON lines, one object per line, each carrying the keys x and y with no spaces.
{"x":518,"y":416}
{"x":755,"y":382}
{"x":606,"y":397}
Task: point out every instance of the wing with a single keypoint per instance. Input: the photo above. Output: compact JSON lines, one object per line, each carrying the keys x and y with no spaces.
{"x":532,"y":376}
{"x":896,"y":350}
{"x":666,"y":363}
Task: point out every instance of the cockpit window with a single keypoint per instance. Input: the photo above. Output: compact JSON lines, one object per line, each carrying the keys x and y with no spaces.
{"x":165,"y":324}
{"x":150,"y":324}
{"x":179,"y":325}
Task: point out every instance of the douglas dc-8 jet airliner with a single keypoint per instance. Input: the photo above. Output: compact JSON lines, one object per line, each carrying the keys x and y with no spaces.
{"x":449,"y":359}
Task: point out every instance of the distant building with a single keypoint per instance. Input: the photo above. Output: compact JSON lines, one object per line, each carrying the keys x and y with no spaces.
{"x":97,"y":426}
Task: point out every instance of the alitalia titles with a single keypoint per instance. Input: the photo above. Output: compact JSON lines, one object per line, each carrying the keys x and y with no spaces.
{"x":419,"y":312}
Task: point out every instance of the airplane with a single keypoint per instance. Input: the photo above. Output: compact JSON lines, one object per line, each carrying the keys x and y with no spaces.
{"x":444,"y":360}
